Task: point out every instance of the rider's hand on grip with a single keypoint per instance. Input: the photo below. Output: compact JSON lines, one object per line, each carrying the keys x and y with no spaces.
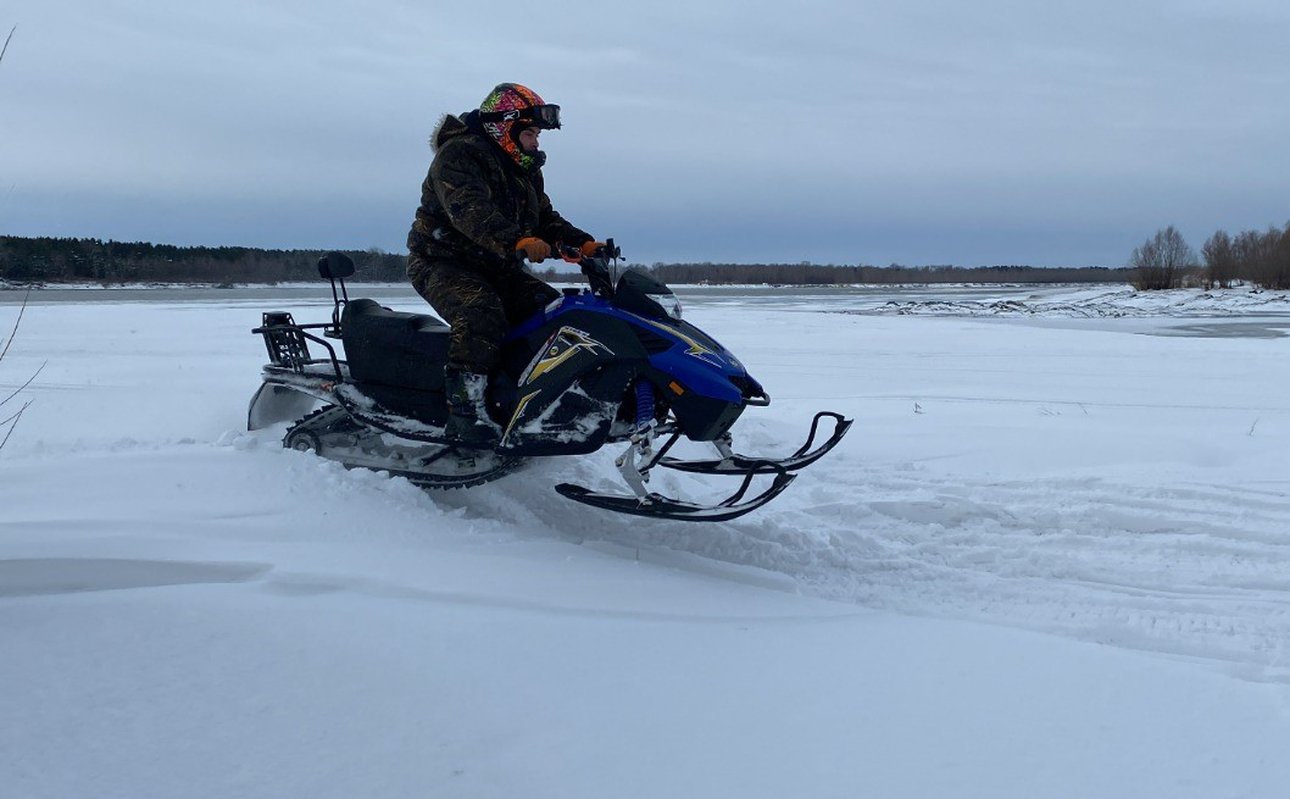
{"x":533,"y":248}
{"x":590,"y":249}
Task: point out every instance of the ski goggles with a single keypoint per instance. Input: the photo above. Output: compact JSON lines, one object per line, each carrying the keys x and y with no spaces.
{"x":538,"y":116}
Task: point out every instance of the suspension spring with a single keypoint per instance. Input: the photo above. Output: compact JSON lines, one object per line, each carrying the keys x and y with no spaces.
{"x":644,"y":405}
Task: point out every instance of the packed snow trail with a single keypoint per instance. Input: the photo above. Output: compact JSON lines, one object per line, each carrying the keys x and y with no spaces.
{"x":1184,"y":570}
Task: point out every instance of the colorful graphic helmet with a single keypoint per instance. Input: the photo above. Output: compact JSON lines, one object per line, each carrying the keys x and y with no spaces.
{"x":509,"y":109}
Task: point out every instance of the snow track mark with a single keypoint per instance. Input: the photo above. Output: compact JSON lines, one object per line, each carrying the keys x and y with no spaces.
{"x":1187,"y":570}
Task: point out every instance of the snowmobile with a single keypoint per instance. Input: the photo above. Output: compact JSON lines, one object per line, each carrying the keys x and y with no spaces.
{"x":609,"y":363}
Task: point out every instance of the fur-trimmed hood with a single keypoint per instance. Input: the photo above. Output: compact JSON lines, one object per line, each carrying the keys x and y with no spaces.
{"x":450,"y":127}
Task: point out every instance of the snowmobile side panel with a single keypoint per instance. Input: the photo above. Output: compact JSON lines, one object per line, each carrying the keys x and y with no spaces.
{"x":569,"y":393}
{"x":426,"y":407}
{"x":577,"y":420}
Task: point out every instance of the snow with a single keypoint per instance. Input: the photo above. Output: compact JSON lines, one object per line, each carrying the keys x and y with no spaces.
{"x":1101,"y":301}
{"x":1051,"y":559}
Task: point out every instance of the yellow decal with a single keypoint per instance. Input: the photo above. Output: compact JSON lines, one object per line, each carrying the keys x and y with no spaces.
{"x":696,"y":349}
{"x":519,"y":411}
{"x":565,"y":344}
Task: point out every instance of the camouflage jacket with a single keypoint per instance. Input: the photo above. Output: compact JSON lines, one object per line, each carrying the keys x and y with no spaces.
{"x":476,"y":202}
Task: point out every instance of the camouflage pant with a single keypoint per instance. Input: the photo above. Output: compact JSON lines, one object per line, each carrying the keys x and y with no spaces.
{"x":479,"y":307}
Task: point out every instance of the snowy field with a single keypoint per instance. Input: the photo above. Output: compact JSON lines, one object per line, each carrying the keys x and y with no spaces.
{"x":1052,"y":559}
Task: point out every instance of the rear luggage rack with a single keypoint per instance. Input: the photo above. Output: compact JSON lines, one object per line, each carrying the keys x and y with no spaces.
{"x":288,"y":343}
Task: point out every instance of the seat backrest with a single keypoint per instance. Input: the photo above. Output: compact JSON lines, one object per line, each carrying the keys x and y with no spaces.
{"x":393,"y":348}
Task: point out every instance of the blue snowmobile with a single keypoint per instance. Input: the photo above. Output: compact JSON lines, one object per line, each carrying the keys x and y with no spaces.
{"x":612,"y":363}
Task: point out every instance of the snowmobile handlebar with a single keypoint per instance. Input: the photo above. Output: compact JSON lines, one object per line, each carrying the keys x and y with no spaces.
{"x":595,"y":267}
{"x":574,"y":255}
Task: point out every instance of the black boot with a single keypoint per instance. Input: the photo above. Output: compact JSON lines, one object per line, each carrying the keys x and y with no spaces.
{"x":468,"y":420}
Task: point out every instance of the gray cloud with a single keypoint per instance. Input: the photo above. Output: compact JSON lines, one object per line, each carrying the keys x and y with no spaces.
{"x":932,"y":132}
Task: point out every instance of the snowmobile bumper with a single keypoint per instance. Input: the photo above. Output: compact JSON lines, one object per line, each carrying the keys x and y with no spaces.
{"x":734,"y":464}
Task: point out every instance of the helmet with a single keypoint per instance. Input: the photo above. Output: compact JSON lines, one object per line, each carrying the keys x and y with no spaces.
{"x":510,"y":108}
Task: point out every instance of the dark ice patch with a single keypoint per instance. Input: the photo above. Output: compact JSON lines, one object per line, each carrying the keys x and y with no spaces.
{"x":1226,"y":329}
{"x":38,"y":576}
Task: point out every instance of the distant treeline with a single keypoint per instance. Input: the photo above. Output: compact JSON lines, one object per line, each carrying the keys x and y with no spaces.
{"x":50,"y":260}
{"x":816,"y":274}
{"x":62,"y":260}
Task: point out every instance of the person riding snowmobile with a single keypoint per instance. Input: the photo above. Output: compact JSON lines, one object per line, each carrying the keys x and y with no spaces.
{"x":483,"y":206}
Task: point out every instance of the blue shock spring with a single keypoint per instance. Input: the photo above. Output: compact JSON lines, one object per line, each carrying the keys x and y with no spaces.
{"x":644,"y":404}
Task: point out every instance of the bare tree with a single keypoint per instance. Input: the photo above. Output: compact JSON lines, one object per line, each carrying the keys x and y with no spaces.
{"x":1161,"y":260}
{"x":10,"y":422}
{"x":1264,"y":258}
{"x":1220,"y":260}
{"x":1247,"y":249}
{"x":1276,"y":274}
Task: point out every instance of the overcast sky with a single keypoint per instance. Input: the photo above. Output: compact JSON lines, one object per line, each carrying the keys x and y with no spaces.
{"x":848,"y":131}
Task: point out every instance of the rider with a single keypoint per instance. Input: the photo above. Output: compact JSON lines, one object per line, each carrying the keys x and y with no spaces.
{"x":483,"y":209}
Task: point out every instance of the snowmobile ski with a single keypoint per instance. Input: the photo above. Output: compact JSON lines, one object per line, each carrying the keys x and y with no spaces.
{"x":657,"y":506}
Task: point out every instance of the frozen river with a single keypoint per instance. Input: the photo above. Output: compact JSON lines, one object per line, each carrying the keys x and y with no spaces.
{"x":1116,"y":307}
{"x":1052,"y":558}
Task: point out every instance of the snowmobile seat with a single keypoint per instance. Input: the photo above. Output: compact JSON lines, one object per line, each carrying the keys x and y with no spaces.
{"x":392,"y":348}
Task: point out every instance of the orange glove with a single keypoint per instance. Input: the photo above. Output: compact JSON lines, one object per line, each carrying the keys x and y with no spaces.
{"x":589,"y":248}
{"x":533,"y":248}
